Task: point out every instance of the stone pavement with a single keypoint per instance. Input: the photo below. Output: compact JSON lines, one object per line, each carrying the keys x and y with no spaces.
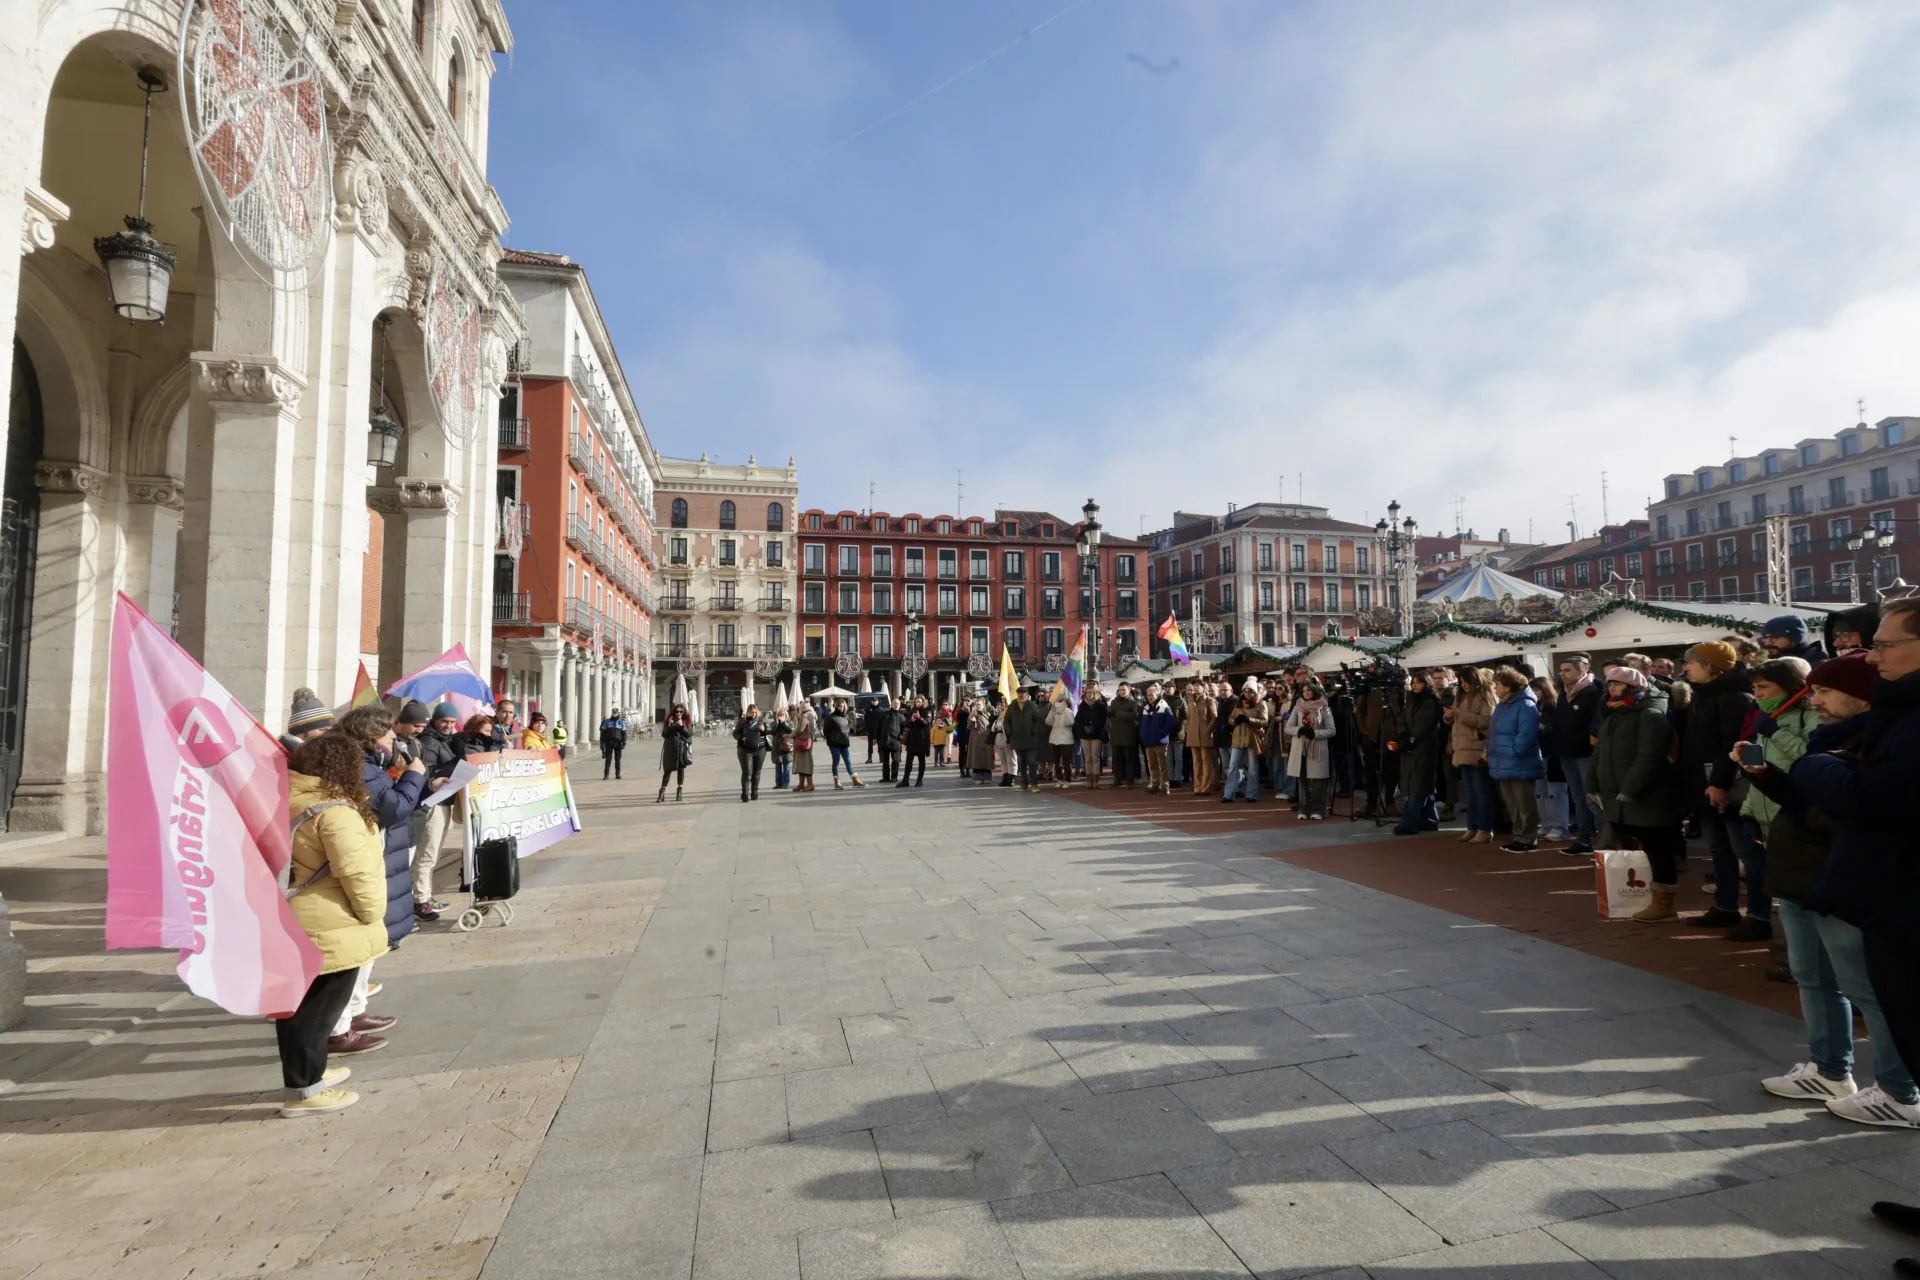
{"x":955,"y":1032}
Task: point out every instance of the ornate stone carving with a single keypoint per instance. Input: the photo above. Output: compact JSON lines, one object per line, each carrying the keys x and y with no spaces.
{"x":69,"y":477}
{"x":157,"y":491}
{"x":384,"y":500}
{"x":419,"y":276}
{"x":428,"y":495}
{"x":361,"y":191}
{"x":43,"y":213}
{"x":249,"y":380}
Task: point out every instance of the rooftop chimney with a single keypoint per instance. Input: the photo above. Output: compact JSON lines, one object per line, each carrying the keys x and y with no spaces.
{"x":1503,"y":535}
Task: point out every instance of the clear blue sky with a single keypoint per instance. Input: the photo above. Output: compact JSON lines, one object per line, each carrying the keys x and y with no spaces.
{"x":1413,"y":250}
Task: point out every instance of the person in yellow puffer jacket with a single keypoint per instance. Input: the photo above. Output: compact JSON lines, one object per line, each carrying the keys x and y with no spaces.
{"x":338,"y":892}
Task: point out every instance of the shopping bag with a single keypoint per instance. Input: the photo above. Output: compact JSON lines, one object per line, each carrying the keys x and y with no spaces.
{"x":1624,"y":877}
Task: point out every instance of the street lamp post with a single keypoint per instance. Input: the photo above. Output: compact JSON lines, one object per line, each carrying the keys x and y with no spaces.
{"x":1877,"y":539}
{"x":1394,"y":540}
{"x":1088,"y":547}
{"x":914,"y":665}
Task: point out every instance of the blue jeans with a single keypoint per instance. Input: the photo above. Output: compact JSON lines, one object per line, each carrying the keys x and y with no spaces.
{"x":1419,"y":813}
{"x":1478,"y":784}
{"x":1829,"y":962}
{"x":1242,"y":763}
{"x":1579,"y":771}
{"x":782,"y":770}
{"x":1736,"y":847}
{"x":840,"y":757}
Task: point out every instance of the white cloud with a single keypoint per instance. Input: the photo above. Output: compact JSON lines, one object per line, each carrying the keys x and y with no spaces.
{"x":1523,"y":246}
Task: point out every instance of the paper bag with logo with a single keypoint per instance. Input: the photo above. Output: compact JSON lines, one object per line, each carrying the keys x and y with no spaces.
{"x":1624,"y":877}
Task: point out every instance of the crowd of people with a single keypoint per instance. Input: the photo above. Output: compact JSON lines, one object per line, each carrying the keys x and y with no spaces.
{"x":366,"y":846}
{"x":1785,"y":763}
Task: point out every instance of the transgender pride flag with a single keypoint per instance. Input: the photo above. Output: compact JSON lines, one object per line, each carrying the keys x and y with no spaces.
{"x":197,"y":829}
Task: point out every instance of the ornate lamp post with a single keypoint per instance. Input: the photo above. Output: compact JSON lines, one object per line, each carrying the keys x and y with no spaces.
{"x":914,"y":665}
{"x":1874,"y":539}
{"x":1394,"y":541}
{"x":1088,"y":547}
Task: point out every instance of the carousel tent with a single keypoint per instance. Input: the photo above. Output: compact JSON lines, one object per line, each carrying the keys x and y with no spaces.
{"x":1451,"y":644}
{"x":1484,"y":582}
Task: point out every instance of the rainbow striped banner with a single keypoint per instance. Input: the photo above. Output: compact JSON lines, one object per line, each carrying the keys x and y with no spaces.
{"x":1176,"y":643}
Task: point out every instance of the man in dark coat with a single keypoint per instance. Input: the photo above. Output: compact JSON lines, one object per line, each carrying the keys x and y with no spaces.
{"x":1787,"y":637}
{"x":873,"y":720}
{"x":1869,"y":790}
{"x":891,"y":723}
{"x":1123,"y":736}
{"x":1419,"y":750}
{"x":916,"y":737}
{"x":613,"y":741}
{"x":1851,"y":630}
{"x":1581,"y":698}
{"x":1722,"y":697}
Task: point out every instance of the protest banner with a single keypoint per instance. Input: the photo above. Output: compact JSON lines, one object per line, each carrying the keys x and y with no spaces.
{"x":197,"y":831}
{"x":523,"y":794}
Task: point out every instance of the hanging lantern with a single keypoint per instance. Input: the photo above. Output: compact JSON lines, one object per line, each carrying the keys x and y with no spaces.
{"x":383,"y":433}
{"x":139,"y":268}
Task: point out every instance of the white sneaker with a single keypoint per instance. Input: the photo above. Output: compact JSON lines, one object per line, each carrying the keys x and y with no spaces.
{"x":320,"y":1104}
{"x":1872,"y":1105}
{"x":334,"y":1076}
{"x":1805,"y":1081}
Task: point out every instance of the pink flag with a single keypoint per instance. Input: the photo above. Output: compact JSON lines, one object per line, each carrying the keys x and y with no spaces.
{"x":197,"y":829}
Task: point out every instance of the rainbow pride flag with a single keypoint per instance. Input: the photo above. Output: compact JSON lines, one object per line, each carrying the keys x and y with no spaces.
{"x":1176,"y":643}
{"x":1073,"y":678}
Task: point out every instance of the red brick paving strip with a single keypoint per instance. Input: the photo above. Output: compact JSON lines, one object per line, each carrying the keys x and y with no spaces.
{"x":1543,"y":894}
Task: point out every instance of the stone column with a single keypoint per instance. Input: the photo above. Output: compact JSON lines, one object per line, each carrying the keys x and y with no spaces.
{"x":244,"y":413}
{"x":59,"y":790}
{"x":429,"y":626}
{"x":706,"y":711}
{"x":548,"y":652}
{"x":152,"y":530}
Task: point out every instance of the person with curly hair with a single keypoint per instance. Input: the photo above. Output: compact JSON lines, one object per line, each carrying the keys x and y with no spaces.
{"x":339,"y":897}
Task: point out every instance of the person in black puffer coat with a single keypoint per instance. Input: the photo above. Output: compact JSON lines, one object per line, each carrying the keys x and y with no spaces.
{"x":1722,"y":698}
{"x":1090,"y":731}
{"x":394,"y":792}
{"x":916,"y":736}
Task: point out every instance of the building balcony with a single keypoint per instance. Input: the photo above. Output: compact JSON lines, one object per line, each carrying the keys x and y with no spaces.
{"x":775,"y":604}
{"x":727,"y":604}
{"x":513,"y":608}
{"x":773,"y":651}
{"x":580,"y":450}
{"x":580,"y":616}
{"x":515,"y":513}
{"x":675,"y":603}
{"x":516,"y":434}
{"x":579,"y":533}
{"x":674,"y":649}
{"x":1839,"y":502}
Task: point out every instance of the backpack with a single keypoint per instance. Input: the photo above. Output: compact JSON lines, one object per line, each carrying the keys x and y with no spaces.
{"x":293,"y":891}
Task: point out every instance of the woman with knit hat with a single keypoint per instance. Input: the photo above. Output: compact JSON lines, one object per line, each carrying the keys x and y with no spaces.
{"x":1715,"y":789}
{"x":309,"y":719}
{"x":1638,"y":785}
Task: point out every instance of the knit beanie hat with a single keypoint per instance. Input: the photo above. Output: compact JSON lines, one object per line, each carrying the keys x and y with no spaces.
{"x":1716,"y":656}
{"x":1628,"y":676}
{"x":309,"y":713}
{"x":1790,"y":625}
{"x":415,"y":712}
{"x":1789,"y":673}
{"x":1852,"y":674}
{"x":445,"y":711}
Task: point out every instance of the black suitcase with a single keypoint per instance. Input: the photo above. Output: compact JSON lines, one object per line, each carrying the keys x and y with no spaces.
{"x":496,"y":869}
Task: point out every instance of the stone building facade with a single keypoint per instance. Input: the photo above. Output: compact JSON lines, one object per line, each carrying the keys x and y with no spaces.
{"x":215,"y":466}
{"x":724,"y":600}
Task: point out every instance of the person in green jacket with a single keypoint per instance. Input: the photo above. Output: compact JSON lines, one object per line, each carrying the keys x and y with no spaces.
{"x":1638,"y":783}
{"x":1026,"y":728}
{"x":1786,"y":721}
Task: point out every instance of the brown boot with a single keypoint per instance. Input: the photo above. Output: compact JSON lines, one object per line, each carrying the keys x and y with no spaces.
{"x":1660,"y":909}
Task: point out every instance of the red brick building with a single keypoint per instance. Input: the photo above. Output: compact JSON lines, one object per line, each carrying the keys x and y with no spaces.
{"x":1617,"y":551}
{"x":950,"y":587}
{"x":573,"y":601}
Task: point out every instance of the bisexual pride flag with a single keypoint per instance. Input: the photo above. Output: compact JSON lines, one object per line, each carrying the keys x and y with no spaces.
{"x":1176,"y":643}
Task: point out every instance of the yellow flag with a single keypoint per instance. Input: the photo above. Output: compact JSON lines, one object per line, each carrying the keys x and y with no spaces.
{"x":1007,"y":683}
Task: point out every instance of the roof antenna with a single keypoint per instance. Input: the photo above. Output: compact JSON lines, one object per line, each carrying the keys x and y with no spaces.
{"x":1573,"y":525}
{"x":1603,"y":501}
{"x":1860,"y":406}
{"x":960,"y":490}
{"x":870,"y":497}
